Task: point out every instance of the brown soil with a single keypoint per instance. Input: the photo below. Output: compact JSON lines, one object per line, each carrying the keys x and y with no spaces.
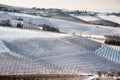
{"x":42,"y":77}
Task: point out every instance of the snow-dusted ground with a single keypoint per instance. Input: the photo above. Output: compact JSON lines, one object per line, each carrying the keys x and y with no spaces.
{"x":38,"y":52}
{"x":31,"y":21}
{"x":87,"y":18}
{"x":37,"y":20}
{"x":11,"y":33}
{"x":102,"y":30}
{"x":85,"y":29}
{"x":112,"y":18}
{"x":22,"y":15}
{"x":4,"y":15}
{"x":70,"y":27}
{"x":111,"y":53}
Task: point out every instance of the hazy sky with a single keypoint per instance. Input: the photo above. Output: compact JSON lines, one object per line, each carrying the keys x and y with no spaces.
{"x":66,"y":4}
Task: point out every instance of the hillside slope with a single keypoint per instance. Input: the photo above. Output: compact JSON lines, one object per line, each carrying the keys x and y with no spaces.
{"x":38,"y":52}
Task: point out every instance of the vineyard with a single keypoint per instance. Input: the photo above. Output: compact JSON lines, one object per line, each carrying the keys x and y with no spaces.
{"x":32,"y":45}
{"x":63,"y":55}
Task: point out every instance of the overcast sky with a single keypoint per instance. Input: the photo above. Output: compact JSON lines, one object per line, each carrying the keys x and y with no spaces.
{"x":66,"y":4}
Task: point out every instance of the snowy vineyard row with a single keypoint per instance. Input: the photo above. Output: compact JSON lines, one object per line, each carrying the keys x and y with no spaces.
{"x":60,"y":55}
{"x":111,"y":53}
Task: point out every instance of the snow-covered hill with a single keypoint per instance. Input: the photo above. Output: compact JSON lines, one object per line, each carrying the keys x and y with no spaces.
{"x":112,"y":18}
{"x":30,"y":50}
{"x":34,"y":22}
{"x":38,"y":52}
{"x":73,"y":27}
{"x":99,"y":19}
{"x":9,"y":33}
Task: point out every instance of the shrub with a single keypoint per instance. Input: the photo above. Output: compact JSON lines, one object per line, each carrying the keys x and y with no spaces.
{"x":99,"y":73}
{"x":49,"y":28}
{"x":8,"y":23}
{"x":19,"y":25}
{"x":5,"y":23}
{"x":20,"y":19}
{"x":113,"y":40}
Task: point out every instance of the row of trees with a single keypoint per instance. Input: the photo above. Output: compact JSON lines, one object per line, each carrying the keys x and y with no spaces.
{"x":117,"y":14}
{"x":60,"y":11}
{"x":113,"y":40}
{"x":8,"y":23}
{"x":8,"y":9}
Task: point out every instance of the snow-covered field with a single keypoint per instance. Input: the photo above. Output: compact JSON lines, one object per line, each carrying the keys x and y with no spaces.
{"x":112,"y":18}
{"x":111,"y":53}
{"x":79,"y":28}
{"x":31,"y":21}
{"x":37,"y":20}
{"x":11,"y":33}
{"x":100,"y":19}
{"x":38,"y":52}
{"x":87,"y":18}
{"x":31,"y":51}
